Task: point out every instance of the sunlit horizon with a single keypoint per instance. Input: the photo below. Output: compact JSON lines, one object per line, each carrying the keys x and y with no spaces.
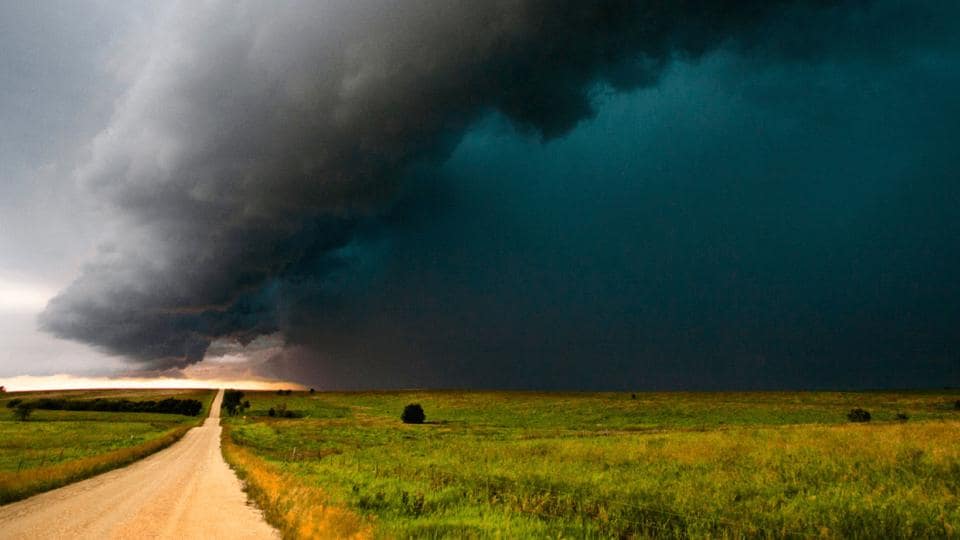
{"x":63,"y":381}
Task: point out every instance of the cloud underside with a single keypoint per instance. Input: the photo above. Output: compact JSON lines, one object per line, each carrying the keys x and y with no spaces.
{"x":259,"y":158}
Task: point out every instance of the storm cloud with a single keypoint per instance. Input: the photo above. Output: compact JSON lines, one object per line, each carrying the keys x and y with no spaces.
{"x":285,"y":169}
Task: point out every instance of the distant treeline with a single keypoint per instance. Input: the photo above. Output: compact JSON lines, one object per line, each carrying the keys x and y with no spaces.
{"x":187,"y":407}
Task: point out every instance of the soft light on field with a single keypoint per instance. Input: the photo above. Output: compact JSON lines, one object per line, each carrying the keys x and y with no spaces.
{"x":22,"y":383}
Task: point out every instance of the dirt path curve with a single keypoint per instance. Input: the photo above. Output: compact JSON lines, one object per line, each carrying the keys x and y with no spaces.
{"x":184,"y":491}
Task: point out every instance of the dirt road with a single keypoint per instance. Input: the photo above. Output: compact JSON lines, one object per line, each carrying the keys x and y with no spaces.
{"x":184,"y":491}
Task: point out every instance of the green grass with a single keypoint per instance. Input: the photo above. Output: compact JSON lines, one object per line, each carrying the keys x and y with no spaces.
{"x":56,"y":447}
{"x":514,"y":464}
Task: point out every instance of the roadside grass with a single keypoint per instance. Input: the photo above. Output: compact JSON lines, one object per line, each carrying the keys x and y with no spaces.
{"x":298,"y":510}
{"x":511,"y":464}
{"x":55,"y":448}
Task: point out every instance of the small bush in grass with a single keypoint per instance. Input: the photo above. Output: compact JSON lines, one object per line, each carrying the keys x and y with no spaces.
{"x":956,"y":404}
{"x":22,"y":412}
{"x":281,"y":411}
{"x":413,"y":414}
{"x":858,"y":415}
{"x":902,"y":417}
{"x":14,"y":402}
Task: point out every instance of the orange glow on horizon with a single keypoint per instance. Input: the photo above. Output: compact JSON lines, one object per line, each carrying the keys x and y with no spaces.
{"x":24,"y":383}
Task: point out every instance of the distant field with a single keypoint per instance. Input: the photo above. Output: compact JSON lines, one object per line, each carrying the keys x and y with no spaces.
{"x":604,"y":465}
{"x":53,"y":448}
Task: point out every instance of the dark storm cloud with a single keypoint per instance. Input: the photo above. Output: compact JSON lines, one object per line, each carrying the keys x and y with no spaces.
{"x":268,"y":162}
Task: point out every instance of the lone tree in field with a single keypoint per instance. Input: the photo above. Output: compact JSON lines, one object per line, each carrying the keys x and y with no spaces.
{"x":22,"y":412}
{"x":858,"y":415}
{"x":3,"y":389}
{"x":232,"y":402}
{"x":413,"y":414}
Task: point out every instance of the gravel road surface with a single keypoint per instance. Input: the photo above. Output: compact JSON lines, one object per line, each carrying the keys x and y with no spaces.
{"x":184,"y":491}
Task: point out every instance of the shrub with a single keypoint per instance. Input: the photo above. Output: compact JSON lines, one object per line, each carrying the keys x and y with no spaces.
{"x":22,"y":412}
{"x":187,"y":407}
{"x":633,"y":396}
{"x":858,"y":415}
{"x":312,"y":390}
{"x":232,"y":402}
{"x":902,"y":417}
{"x":14,"y":402}
{"x":956,"y":404}
{"x":272,"y":412}
{"x":413,"y":414}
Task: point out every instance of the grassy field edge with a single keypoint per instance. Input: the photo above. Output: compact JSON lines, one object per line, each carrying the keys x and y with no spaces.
{"x":296,"y":510}
{"x":21,"y":485}
{"x":607,"y":465}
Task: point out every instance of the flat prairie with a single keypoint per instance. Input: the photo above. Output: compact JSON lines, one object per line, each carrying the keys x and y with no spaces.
{"x":526,"y":464}
{"x":53,"y":448}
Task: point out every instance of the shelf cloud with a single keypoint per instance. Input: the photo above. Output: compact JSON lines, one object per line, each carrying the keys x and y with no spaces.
{"x":268,"y":157}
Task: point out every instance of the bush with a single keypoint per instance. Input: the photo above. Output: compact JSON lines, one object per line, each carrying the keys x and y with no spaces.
{"x":956,"y":404}
{"x":280,"y":411}
{"x":312,"y":390}
{"x":902,"y":417}
{"x":22,"y":412}
{"x":858,"y":415}
{"x":232,"y":402}
{"x":187,"y":407}
{"x":413,"y":414}
{"x":14,"y":402}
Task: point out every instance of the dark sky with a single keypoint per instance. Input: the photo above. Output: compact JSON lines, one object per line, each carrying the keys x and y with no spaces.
{"x":606,"y":195}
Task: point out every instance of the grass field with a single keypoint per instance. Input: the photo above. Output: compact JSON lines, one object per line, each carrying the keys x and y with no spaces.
{"x":519,"y":465}
{"x":54,"y":448}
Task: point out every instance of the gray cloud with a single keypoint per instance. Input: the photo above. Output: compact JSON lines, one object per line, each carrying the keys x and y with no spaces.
{"x":261,"y":151}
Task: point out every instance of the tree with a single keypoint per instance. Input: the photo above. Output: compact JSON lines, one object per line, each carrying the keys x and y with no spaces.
{"x":22,"y":412}
{"x":413,"y":414}
{"x":3,"y":389}
{"x":232,"y":402}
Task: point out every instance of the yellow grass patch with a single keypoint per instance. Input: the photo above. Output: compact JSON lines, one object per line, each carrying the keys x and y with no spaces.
{"x":298,"y":510}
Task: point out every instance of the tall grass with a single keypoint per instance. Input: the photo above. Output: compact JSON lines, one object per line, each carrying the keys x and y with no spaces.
{"x":296,"y":509}
{"x":602,"y":466}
